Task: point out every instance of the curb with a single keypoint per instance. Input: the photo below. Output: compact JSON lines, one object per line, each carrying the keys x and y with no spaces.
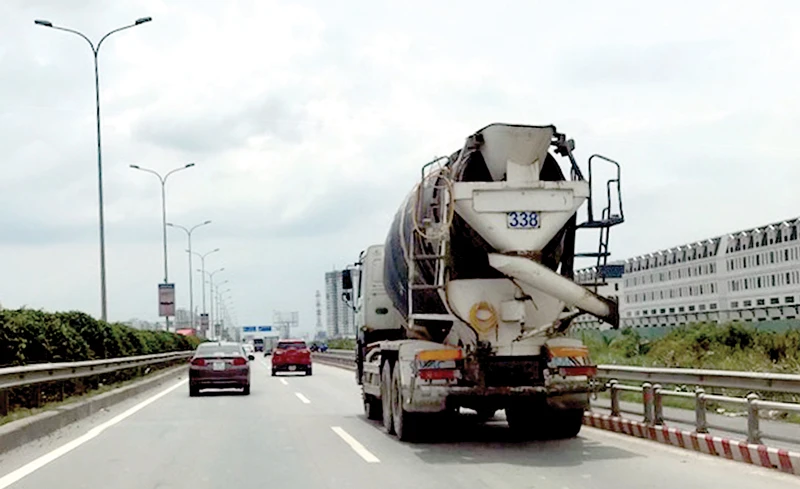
{"x":740,"y":451}
{"x":28,"y":429}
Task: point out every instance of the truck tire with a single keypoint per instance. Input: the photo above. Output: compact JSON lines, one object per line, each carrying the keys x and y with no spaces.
{"x":565,"y":423}
{"x":386,"y":396}
{"x":372,"y":407}
{"x":526,"y":419}
{"x":405,"y":423}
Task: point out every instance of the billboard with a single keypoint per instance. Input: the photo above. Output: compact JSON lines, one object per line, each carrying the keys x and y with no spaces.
{"x":249,"y":329}
{"x":166,"y":300}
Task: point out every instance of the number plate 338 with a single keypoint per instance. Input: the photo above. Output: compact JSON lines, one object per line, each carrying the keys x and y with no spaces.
{"x":522,"y":220}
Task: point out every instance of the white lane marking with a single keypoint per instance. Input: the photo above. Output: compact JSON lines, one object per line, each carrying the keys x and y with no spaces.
{"x":45,"y":459}
{"x":355,"y":445}
{"x":283,"y":381}
{"x":299,"y":396}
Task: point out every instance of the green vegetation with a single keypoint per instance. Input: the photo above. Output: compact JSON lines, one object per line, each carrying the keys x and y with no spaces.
{"x":29,"y":336}
{"x":342,"y":344}
{"x":733,"y":346}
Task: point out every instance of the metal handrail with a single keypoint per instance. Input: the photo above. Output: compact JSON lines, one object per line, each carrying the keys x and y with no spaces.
{"x":39,"y":373}
{"x":48,"y":372}
{"x":758,"y":381}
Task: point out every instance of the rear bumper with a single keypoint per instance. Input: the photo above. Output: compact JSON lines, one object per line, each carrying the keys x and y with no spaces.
{"x":219,"y":380}
{"x":285,"y":367}
{"x":436,"y":398}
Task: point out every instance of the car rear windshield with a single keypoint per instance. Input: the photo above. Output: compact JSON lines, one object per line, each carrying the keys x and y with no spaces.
{"x":293,"y":345}
{"x":209,"y":349}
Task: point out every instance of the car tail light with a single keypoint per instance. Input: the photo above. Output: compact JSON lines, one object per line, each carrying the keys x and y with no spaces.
{"x":199,"y":362}
{"x":239,"y":361}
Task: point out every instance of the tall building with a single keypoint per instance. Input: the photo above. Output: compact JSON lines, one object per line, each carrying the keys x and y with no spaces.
{"x":340,"y":316}
{"x":750,"y":275}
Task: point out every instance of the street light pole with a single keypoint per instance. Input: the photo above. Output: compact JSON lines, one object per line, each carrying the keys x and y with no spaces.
{"x":191,"y":287}
{"x":217,"y":312}
{"x":163,"y":180}
{"x":211,"y":295}
{"x":203,"y":274}
{"x":101,"y":214}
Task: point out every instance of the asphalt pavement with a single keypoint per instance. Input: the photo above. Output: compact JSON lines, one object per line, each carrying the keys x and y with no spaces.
{"x":310,"y":433}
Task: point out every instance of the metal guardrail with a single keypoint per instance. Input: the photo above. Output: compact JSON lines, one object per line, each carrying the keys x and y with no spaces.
{"x":40,"y":373}
{"x":652,"y":380}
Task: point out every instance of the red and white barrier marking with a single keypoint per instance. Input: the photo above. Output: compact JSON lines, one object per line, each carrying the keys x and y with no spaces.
{"x":741,"y":451}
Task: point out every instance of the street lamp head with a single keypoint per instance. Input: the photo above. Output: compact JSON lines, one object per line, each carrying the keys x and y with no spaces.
{"x":172,"y":226}
{"x":43,"y":23}
{"x":189,"y":165}
{"x":142,"y":20}
{"x":135,"y":167}
{"x":207,"y":222}
{"x":215,"y":249}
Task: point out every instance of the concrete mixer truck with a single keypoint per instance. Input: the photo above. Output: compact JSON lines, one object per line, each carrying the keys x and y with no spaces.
{"x":469,"y":300}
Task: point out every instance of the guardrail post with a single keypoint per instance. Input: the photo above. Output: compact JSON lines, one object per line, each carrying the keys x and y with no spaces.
{"x":612,"y":388}
{"x":647,"y":399}
{"x":4,"y":402}
{"x":701,"y":425}
{"x":37,"y":395}
{"x":753,"y":431}
{"x":658,"y":407}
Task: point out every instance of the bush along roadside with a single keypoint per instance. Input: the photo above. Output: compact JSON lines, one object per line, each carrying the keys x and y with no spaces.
{"x":30,"y":336}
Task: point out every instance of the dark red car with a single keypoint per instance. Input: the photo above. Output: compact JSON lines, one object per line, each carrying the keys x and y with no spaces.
{"x":291,"y":356}
{"x":219,"y":365}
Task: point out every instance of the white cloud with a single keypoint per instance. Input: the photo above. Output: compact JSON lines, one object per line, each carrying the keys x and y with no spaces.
{"x":309,"y":121}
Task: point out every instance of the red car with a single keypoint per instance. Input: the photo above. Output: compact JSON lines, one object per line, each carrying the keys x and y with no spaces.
{"x":219,"y":365}
{"x":291,"y":356}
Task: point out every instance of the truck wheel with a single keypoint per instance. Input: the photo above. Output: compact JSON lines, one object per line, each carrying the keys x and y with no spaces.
{"x":372,"y":407}
{"x":565,"y":423}
{"x":405,"y":423}
{"x":525,"y":420}
{"x":386,"y":396}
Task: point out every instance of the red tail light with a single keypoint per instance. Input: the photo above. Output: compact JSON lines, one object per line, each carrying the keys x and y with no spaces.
{"x":437,"y":374}
{"x":587,"y":370}
{"x":199,"y":362}
{"x":239,"y":361}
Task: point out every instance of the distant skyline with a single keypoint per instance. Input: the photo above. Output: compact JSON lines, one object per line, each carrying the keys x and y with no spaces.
{"x":309,"y":121}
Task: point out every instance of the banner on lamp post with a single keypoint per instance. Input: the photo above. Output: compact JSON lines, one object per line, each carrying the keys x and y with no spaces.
{"x":166,"y":300}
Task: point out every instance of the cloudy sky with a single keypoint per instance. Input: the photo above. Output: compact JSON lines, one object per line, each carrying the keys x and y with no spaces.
{"x":309,"y":120}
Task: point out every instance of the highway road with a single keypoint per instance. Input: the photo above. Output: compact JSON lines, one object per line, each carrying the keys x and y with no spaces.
{"x":310,"y":433}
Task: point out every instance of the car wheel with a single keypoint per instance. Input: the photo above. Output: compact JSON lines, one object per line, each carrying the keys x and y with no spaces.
{"x":274,"y":372}
{"x":246,"y":390}
{"x":193,"y":391}
{"x":308,"y":371}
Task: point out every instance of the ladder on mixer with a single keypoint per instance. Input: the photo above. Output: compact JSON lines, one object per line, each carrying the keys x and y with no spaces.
{"x":607,"y":220}
{"x":428,"y":218}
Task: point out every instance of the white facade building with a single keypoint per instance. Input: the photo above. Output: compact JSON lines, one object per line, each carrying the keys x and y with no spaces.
{"x":750,"y":275}
{"x":340,"y":317}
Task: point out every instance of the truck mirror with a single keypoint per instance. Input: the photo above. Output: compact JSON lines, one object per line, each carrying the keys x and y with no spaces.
{"x":347,"y":280}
